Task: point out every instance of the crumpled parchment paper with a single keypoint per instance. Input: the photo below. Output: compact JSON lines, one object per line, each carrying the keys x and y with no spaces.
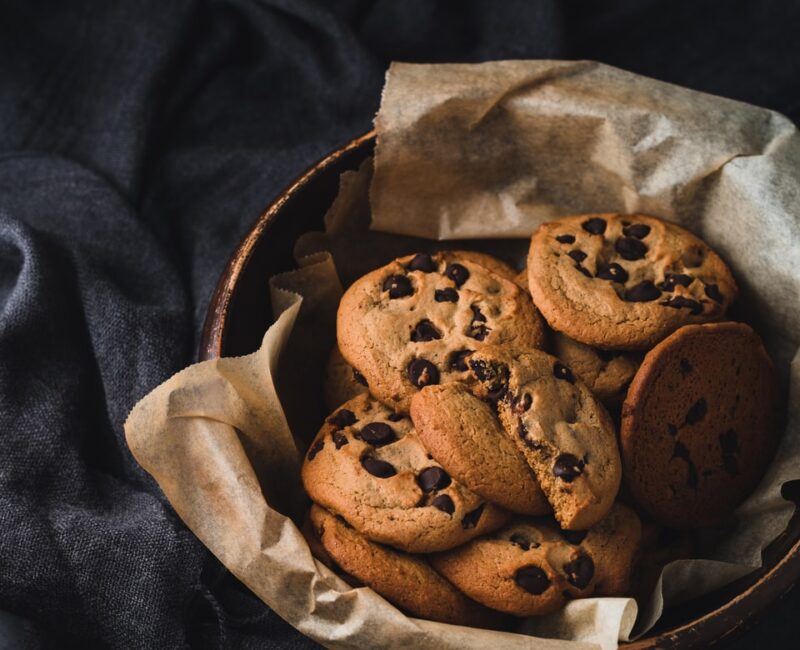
{"x":483,"y":153}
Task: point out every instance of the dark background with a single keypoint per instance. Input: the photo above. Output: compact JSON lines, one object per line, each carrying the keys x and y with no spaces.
{"x":138,"y":142}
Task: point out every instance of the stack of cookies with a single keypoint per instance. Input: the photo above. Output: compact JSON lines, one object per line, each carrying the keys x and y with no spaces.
{"x":483,"y":420}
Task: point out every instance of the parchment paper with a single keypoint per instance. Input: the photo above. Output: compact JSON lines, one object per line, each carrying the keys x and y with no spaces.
{"x":482,"y":152}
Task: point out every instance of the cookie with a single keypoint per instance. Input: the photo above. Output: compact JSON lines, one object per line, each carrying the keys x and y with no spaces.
{"x":699,"y":424}
{"x":341,"y":382}
{"x":368,"y":465}
{"x":532,"y":567}
{"x":407,"y":581}
{"x":621,"y":281}
{"x":564,"y":432}
{"x":409,"y":324}
{"x":606,"y":373}
{"x":463,"y":434}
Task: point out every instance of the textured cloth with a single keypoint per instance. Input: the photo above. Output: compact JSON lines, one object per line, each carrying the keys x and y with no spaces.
{"x":138,"y":142}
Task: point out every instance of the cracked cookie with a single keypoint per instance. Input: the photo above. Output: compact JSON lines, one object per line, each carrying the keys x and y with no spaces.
{"x":407,"y":581}
{"x":368,"y":465}
{"x":621,"y":281}
{"x":532,"y":567}
{"x":341,"y":382}
{"x":699,"y":424}
{"x":409,"y":324}
{"x":564,"y":432}
{"x":462,"y":433}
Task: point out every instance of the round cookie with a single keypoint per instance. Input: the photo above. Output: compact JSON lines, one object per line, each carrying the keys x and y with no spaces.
{"x":463,"y":434}
{"x":368,"y":465}
{"x":531,"y":567}
{"x":410,"y":323}
{"x":407,"y":581}
{"x":341,"y":382}
{"x":624,"y":282}
{"x":564,"y":432}
{"x":699,"y":424}
{"x":606,"y":373}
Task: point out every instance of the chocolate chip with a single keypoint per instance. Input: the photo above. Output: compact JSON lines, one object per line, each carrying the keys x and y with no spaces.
{"x":458,"y":360}
{"x":478,"y":332}
{"x":523,"y":542}
{"x":422,"y":372}
{"x":583,"y":270}
{"x":377,"y":434}
{"x":685,"y":367}
{"x":444,"y":503}
{"x":445,"y":295}
{"x":477,"y":314}
{"x":630,"y":248}
{"x":673,"y":430}
{"x":470,"y":519}
{"x":379,"y":468}
{"x":315,"y":449}
{"x":523,"y":403}
{"x":577,"y":255}
{"x":425,"y":331}
{"x":638,"y":230}
{"x":595,"y":226}
{"x":696,"y":412}
{"x":398,"y":286}
{"x":560,"y":371}
{"x":574,"y":536}
{"x":495,"y":375}
{"x":643,"y":292}
{"x":729,"y":443}
{"x":613,"y":272}
{"x":431,"y":479}
{"x":606,"y":356}
{"x":343,"y":418}
{"x":394,"y":417}
{"x":422,"y":262}
{"x":457,"y":273}
{"x":713,"y":292}
{"x":567,"y":467}
{"x":359,"y":378}
{"x":680,"y":451}
{"x":339,"y":439}
{"x":671,"y":280}
{"x":580,"y":571}
{"x":565,"y":239}
{"x":532,"y":579}
{"x":679,"y":302}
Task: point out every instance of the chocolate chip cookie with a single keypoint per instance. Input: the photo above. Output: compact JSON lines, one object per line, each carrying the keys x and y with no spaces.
{"x":407,"y":581}
{"x":463,"y":433}
{"x":699,"y":424}
{"x":564,"y":432}
{"x":622,"y":281}
{"x":368,"y":465}
{"x":532,"y":567}
{"x":410,"y":323}
{"x":342,"y":382}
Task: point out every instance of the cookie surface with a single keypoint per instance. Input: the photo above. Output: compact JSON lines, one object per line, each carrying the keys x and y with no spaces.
{"x":409,"y":323}
{"x":532,"y":567}
{"x":619,"y":281}
{"x":496,"y":266}
{"x":341,"y":382}
{"x":699,"y":424}
{"x":463,"y":434}
{"x":564,"y":432}
{"x":368,"y":465}
{"x":407,"y":581}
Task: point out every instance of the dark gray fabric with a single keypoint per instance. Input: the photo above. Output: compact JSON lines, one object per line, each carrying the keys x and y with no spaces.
{"x":138,"y":142}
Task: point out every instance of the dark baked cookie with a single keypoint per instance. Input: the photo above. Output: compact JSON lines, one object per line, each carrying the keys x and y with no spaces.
{"x":342,"y":382}
{"x":409,"y":324}
{"x":621,"y":281}
{"x":699,"y":424}
{"x":405,"y":580}
{"x":463,"y":433}
{"x":531,"y":567}
{"x":368,"y":465}
{"x":564,"y":432}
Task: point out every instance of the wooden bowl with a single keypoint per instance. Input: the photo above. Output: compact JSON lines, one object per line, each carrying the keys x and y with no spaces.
{"x":240,"y":312}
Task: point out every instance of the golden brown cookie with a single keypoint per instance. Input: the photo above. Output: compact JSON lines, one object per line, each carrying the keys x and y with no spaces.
{"x":531,"y":567}
{"x":624,"y":282}
{"x":463,"y":434}
{"x":699,"y":424}
{"x":368,"y":465}
{"x":407,"y":581}
{"x":410,"y":323}
{"x":341,"y":382}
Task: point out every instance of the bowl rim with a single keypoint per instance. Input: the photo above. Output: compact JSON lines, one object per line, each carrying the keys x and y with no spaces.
{"x":716,"y":626}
